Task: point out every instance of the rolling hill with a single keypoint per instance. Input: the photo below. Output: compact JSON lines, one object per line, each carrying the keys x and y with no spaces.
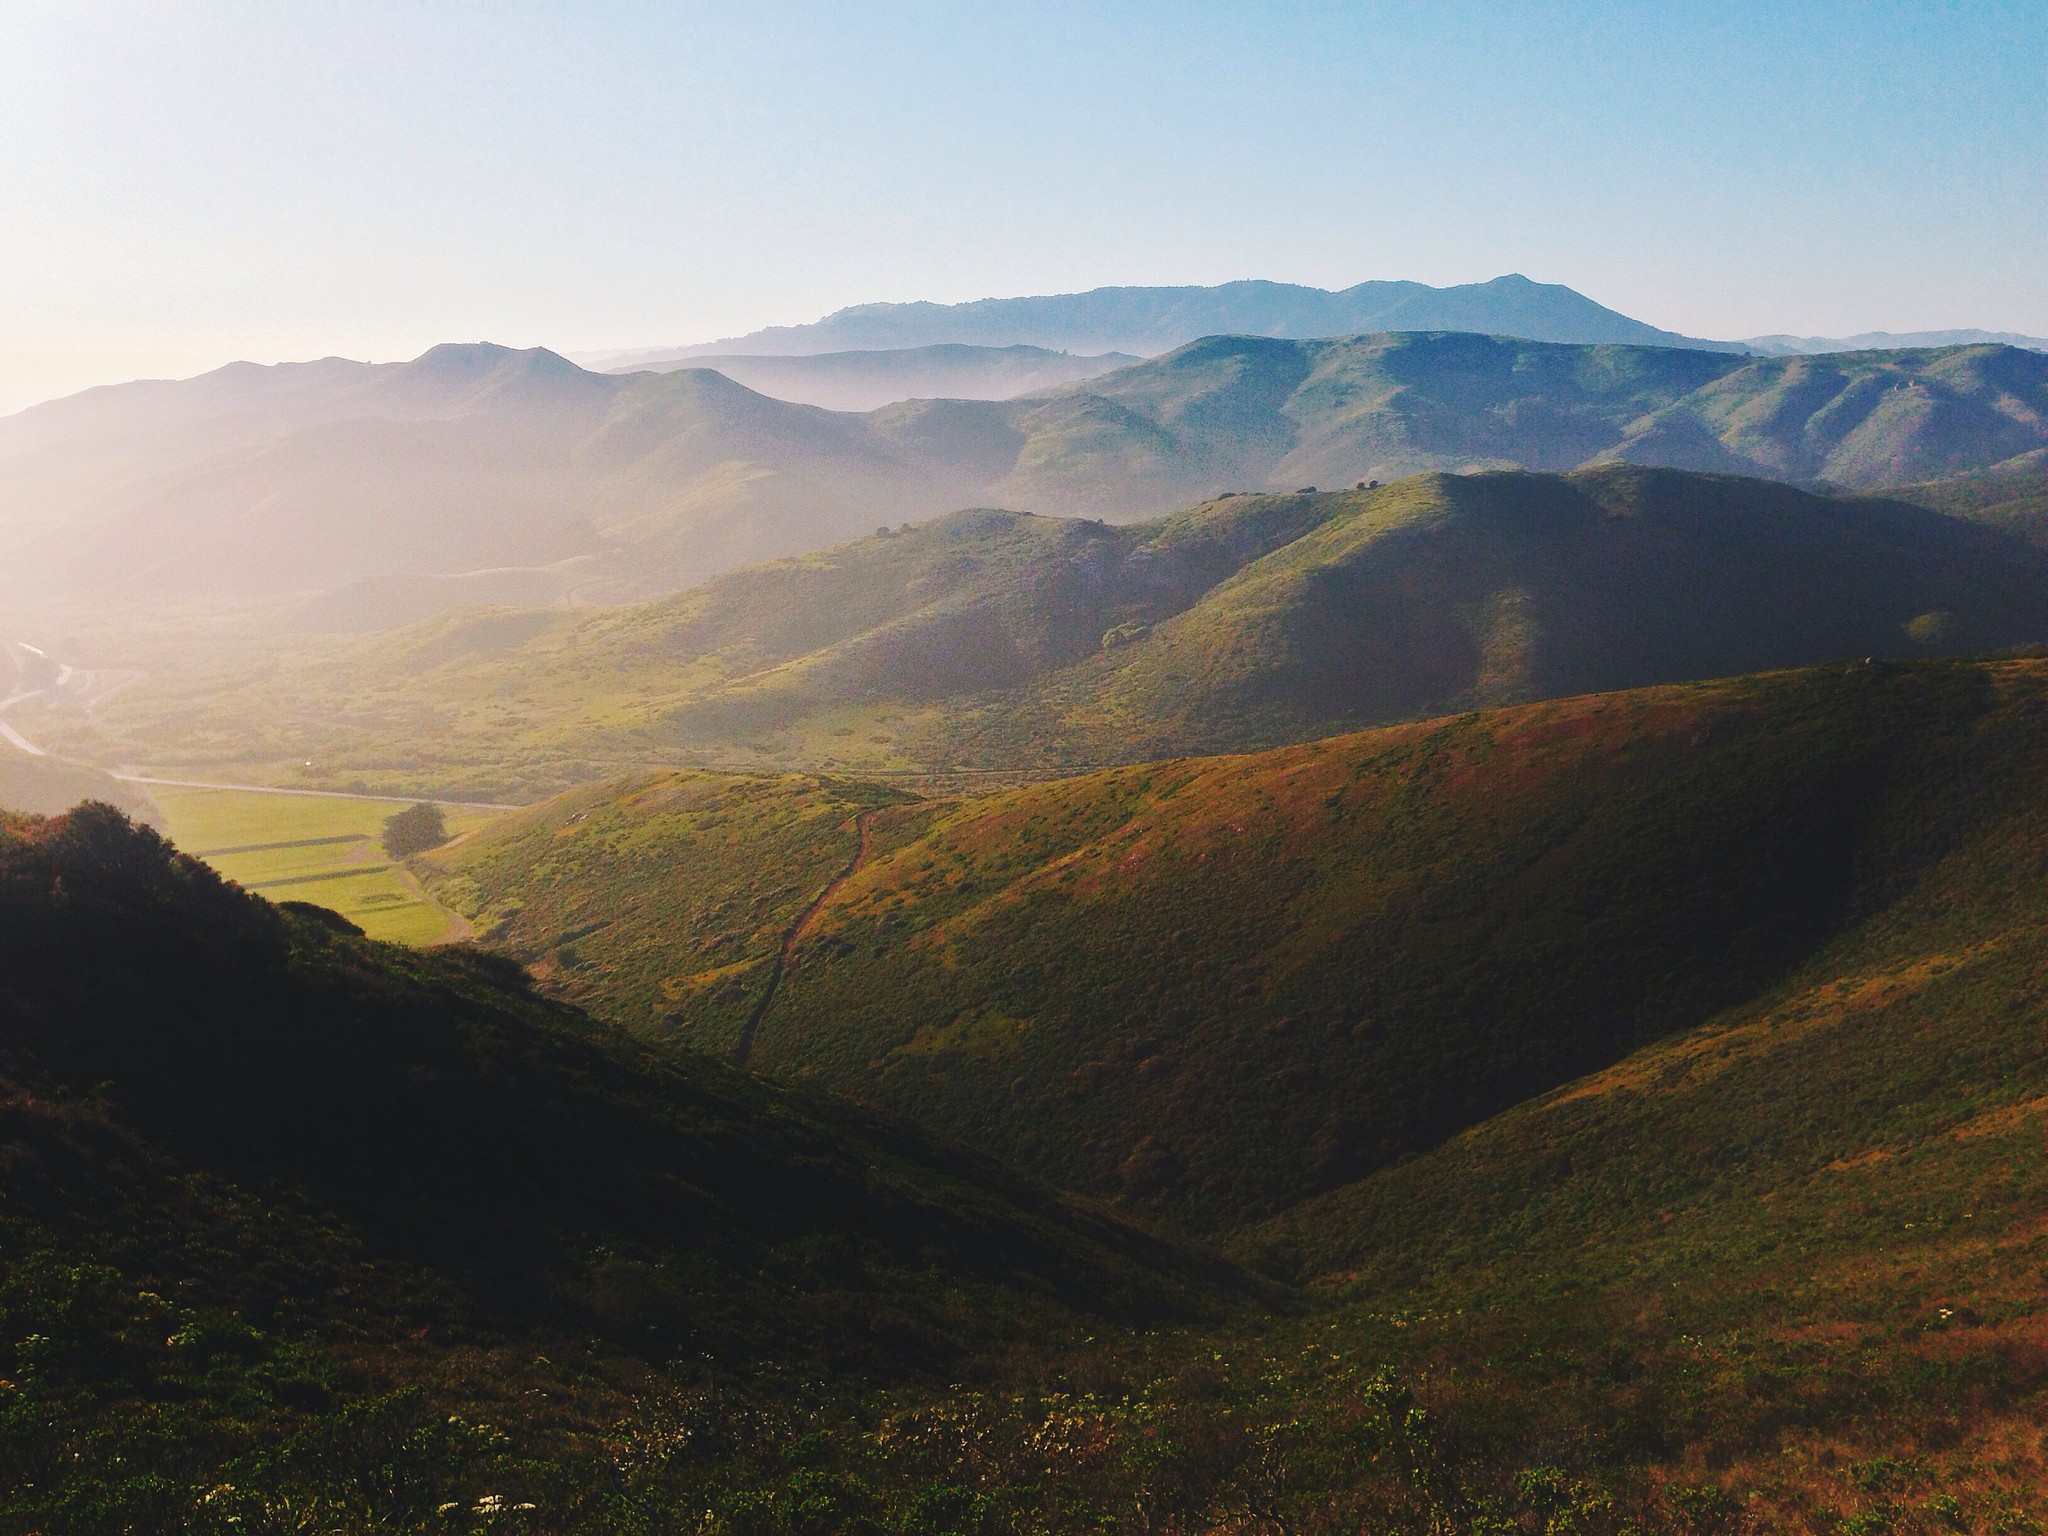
{"x":1750,"y":970}
{"x":1149,"y":321}
{"x":369,"y":495}
{"x":1215,"y":986}
{"x":999,"y":641}
{"x":866,"y":381}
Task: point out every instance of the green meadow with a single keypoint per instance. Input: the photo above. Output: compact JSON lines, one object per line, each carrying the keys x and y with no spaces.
{"x":316,"y":848}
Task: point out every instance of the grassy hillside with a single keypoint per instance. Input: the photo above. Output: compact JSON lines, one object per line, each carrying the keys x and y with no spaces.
{"x":1008,"y":642}
{"x":263,"y":1173}
{"x":1732,"y":988}
{"x":1215,"y":986}
{"x":665,"y":899}
{"x":1777,"y":1268}
{"x":1813,"y":1227}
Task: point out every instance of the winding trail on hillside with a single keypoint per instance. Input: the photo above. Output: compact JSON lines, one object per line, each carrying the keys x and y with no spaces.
{"x":745,"y":1045}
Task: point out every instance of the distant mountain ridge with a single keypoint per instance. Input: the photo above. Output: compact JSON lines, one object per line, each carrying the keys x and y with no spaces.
{"x":1152,"y":320}
{"x":1875,"y":341}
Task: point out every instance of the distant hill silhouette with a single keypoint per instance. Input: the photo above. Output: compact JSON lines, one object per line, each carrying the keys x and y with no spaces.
{"x":1787,"y":346}
{"x":1149,"y":321}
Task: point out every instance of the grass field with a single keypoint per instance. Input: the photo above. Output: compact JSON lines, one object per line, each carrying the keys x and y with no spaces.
{"x":315,"y":848}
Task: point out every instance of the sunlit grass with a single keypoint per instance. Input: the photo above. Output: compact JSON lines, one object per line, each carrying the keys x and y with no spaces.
{"x":319,"y":849}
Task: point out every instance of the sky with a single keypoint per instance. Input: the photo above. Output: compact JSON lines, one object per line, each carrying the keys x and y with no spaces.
{"x":182,"y":184}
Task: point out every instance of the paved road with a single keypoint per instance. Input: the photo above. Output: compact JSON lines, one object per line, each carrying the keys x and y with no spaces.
{"x":317,"y":794}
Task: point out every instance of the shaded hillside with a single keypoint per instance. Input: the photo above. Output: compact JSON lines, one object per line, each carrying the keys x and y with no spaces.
{"x":432,"y":1107}
{"x":283,"y":1205}
{"x":866,"y":381}
{"x":535,"y":477}
{"x":1148,"y":321}
{"x":1002,"y":641}
{"x":1215,"y":986}
{"x":1805,"y":1238}
{"x":1449,"y":591}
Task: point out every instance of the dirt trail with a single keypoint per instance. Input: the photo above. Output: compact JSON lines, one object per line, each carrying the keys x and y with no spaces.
{"x":745,"y":1045}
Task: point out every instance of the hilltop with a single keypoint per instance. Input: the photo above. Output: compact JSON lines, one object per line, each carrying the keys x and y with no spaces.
{"x":867,"y":381}
{"x":1149,"y":321}
{"x":1001,"y":641}
{"x":301,"y":487}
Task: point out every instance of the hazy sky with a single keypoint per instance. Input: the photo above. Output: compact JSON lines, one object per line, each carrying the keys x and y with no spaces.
{"x":181,"y":184}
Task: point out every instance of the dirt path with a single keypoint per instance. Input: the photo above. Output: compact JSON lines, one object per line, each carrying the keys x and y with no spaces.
{"x":745,"y":1046}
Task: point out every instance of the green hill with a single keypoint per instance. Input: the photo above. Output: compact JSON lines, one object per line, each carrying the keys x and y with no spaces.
{"x":1004,"y":641}
{"x":1247,"y":412}
{"x":1661,"y":1071}
{"x":1215,"y":986}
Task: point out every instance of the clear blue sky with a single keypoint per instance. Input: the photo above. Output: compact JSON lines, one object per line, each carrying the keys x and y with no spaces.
{"x":181,"y":184}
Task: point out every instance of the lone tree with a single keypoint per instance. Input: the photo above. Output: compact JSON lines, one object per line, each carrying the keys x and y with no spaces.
{"x":415,"y":830}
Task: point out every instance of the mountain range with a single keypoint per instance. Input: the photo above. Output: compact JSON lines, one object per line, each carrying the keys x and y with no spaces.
{"x":1149,"y":321}
{"x":374,"y":494}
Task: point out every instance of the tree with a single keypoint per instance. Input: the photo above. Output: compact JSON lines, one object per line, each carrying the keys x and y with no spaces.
{"x":415,"y":830}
